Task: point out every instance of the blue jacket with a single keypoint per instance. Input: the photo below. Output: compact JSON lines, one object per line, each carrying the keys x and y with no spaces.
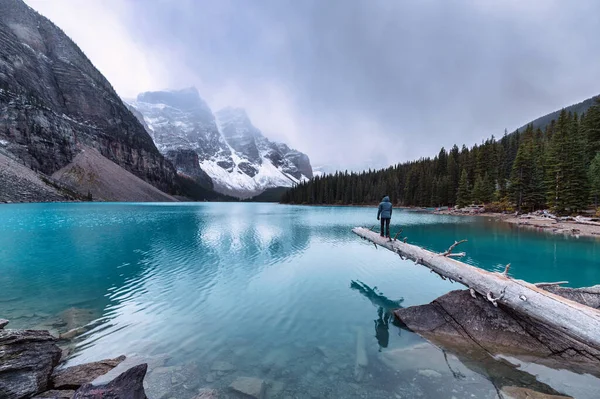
{"x":385,"y":209}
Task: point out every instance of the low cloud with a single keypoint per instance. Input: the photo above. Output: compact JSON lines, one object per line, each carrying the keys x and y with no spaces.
{"x":352,"y":83}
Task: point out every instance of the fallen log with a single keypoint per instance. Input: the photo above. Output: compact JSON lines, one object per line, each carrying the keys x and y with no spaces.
{"x":579,"y":322}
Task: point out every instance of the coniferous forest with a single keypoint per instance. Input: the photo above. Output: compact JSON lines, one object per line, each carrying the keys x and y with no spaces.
{"x":555,"y":168}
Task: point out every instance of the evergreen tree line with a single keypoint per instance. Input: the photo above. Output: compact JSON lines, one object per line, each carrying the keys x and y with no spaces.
{"x":556,"y":168}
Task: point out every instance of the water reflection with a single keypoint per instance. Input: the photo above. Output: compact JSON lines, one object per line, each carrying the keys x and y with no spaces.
{"x":385,"y":308}
{"x":261,"y":287}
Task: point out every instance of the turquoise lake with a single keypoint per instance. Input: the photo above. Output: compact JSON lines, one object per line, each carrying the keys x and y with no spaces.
{"x":208,"y":292}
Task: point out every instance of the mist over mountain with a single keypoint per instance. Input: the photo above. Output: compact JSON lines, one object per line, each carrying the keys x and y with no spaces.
{"x":235,"y":155}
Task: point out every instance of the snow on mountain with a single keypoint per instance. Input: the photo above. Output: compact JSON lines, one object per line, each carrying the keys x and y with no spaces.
{"x":231,"y":150}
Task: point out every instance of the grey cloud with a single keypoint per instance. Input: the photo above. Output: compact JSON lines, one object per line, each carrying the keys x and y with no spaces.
{"x":378,"y":81}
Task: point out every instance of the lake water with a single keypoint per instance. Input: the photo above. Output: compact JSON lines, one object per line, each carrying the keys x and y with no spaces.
{"x":209,"y":292}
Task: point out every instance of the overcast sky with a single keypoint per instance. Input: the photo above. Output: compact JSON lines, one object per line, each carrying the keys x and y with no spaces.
{"x":351,"y":82}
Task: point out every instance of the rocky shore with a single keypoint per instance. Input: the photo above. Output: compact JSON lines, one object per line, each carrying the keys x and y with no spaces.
{"x":28,"y":369}
{"x":573,"y":226}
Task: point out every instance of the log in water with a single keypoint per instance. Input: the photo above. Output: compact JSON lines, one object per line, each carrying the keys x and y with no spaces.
{"x":579,"y":322}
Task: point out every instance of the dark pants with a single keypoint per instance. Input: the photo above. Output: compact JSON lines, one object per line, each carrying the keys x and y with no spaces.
{"x":385,"y":222}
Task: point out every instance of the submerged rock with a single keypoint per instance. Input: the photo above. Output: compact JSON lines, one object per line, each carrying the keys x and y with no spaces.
{"x":56,"y":394}
{"x":224,"y":367}
{"x":27,"y":358}
{"x":275,"y":388}
{"x":172,"y":381}
{"x":422,"y":356}
{"x":207,"y":394}
{"x":253,"y":387}
{"x":76,"y":317}
{"x":362,"y":360}
{"x":526,"y":393}
{"x":127,"y":385}
{"x":76,"y":376}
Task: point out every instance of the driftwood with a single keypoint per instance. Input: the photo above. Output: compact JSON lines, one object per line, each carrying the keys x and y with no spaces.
{"x":579,"y":322}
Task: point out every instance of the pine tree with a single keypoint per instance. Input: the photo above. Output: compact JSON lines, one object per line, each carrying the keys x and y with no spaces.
{"x":578,"y":188}
{"x":526,"y":183}
{"x":453,"y":175}
{"x":556,"y":160}
{"x":488,"y":189}
{"x":594,"y":176}
{"x":463,"y":197}
{"x":591,"y":129}
{"x":529,"y":168}
{"x":477,"y":193}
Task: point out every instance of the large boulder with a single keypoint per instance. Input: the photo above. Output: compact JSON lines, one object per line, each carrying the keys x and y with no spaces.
{"x":76,"y":376}
{"x":460,"y":323}
{"x":127,"y":385}
{"x":27,"y":358}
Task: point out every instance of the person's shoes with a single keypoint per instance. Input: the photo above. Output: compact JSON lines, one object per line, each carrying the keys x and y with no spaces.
{"x":381,"y":235}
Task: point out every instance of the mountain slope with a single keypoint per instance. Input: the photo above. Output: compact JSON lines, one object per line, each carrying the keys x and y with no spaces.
{"x":545,"y":120}
{"x":91,"y":173}
{"x":20,"y":184}
{"x":239,"y":160}
{"x":52,"y":100}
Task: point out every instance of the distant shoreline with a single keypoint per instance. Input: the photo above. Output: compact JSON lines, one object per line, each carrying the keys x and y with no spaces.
{"x":571,"y":228}
{"x":565,"y":227}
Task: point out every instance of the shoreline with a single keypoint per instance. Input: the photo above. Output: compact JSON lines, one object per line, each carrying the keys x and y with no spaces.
{"x":564,"y":227}
{"x":572,"y":228}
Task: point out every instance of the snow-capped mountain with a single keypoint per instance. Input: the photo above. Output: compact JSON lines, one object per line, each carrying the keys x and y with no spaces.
{"x":231,"y":150}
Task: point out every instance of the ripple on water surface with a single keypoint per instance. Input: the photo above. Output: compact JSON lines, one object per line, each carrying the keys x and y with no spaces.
{"x":207,"y":293}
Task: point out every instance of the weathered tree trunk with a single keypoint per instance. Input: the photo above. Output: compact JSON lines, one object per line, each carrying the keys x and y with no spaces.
{"x":577,"y":321}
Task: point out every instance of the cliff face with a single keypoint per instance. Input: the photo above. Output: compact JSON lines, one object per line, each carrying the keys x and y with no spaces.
{"x":187,"y":164}
{"x":53,"y":101}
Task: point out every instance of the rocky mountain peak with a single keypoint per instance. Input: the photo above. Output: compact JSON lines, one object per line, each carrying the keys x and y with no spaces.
{"x":187,"y":100}
{"x":232,"y":151}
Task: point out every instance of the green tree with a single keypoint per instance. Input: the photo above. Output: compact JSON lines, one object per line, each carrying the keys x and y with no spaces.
{"x":594,"y":175}
{"x":463,"y":197}
{"x":577,"y":193}
{"x":591,"y":129}
{"x":478,"y":191}
{"x":556,"y":163}
{"x":526,"y":180}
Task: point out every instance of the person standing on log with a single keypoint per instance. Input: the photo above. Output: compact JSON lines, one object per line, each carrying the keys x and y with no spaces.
{"x":385,"y":214}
